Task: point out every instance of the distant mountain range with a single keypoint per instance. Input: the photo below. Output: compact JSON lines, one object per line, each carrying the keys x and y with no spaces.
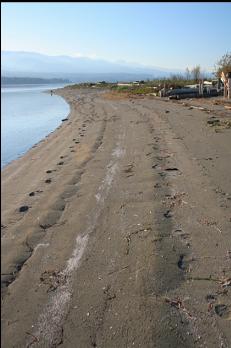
{"x":79,"y":69}
{"x":30,"y":80}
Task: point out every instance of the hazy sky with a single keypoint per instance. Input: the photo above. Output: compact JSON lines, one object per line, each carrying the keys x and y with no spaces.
{"x":169,"y":35}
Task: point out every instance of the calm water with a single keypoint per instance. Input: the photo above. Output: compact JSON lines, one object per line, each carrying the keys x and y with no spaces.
{"x":28,"y":115}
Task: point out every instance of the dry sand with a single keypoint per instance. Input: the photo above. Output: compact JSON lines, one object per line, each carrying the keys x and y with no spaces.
{"x":126,"y":242}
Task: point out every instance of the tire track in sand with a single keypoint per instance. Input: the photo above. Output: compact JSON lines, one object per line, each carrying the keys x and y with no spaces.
{"x":49,"y":328}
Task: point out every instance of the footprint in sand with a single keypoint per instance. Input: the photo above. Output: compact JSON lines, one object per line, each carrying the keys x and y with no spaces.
{"x":23,"y":208}
{"x":168,"y":214}
{"x":48,"y":181}
{"x":32,"y":194}
{"x":223,"y":311}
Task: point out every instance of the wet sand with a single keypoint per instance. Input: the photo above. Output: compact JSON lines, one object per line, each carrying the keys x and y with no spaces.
{"x":123,"y":238}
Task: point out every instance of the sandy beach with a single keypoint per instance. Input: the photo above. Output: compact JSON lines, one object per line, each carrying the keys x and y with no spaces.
{"x":116,"y":228}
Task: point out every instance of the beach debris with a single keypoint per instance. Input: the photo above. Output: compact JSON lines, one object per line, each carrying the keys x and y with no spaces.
{"x":60,"y":163}
{"x":117,"y":271}
{"x":157,"y":185}
{"x":206,"y":221}
{"x":221,"y":310}
{"x":45,"y":226}
{"x":48,"y":181}
{"x":167,"y":111}
{"x":23,"y":208}
{"x":29,"y":246}
{"x":171,"y":169}
{"x":213,"y":121}
{"x":129,"y":168}
{"x":180,"y":138}
{"x":180,"y":262}
{"x":10,"y":322}
{"x":211,"y":297}
{"x":225,"y":282}
{"x":53,"y":279}
{"x":176,"y":199}
{"x":226,"y":124}
{"x":64,"y":119}
{"x":222,"y":124}
{"x":35,"y":339}
{"x":31,"y":194}
{"x":198,"y":108}
{"x":168,"y":214}
{"x":177,"y":303}
{"x":180,"y":233}
{"x":210,"y":306}
{"x":49,"y":171}
{"x":154,"y":166}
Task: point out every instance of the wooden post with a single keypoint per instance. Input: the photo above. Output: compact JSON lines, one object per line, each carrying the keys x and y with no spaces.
{"x":219,"y":83}
{"x":224,"y":80}
{"x":201,"y":88}
{"x":229,"y":88}
{"x":164,"y":89}
{"x":225,"y":89}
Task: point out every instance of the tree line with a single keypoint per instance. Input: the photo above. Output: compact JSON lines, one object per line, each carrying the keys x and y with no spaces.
{"x":195,"y":74}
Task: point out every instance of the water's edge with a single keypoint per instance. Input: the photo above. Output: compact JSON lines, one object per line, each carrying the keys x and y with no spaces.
{"x":66,"y":115}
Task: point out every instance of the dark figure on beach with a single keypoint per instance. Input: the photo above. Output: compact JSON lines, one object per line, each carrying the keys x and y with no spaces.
{"x":51,"y":92}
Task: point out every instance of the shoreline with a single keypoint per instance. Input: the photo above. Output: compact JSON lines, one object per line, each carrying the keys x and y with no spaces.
{"x":127,"y":232}
{"x":41,"y":139}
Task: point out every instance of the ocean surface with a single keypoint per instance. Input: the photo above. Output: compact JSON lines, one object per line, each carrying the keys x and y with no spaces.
{"x":28,"y":115}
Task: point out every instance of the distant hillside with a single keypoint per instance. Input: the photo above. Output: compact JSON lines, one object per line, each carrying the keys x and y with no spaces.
{"x":30,"y":80}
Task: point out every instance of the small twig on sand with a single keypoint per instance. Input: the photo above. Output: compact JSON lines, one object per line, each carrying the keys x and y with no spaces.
{"x":218,"y":229}
{"x":179,"y":305}
{"x":118,"y":270}
{"x":204,"y":278}
{"x":35,"y":339}
{"x":224,"y":282}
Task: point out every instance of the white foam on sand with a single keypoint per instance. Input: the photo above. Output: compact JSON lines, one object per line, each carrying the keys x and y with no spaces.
{"x":50,"y":322}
